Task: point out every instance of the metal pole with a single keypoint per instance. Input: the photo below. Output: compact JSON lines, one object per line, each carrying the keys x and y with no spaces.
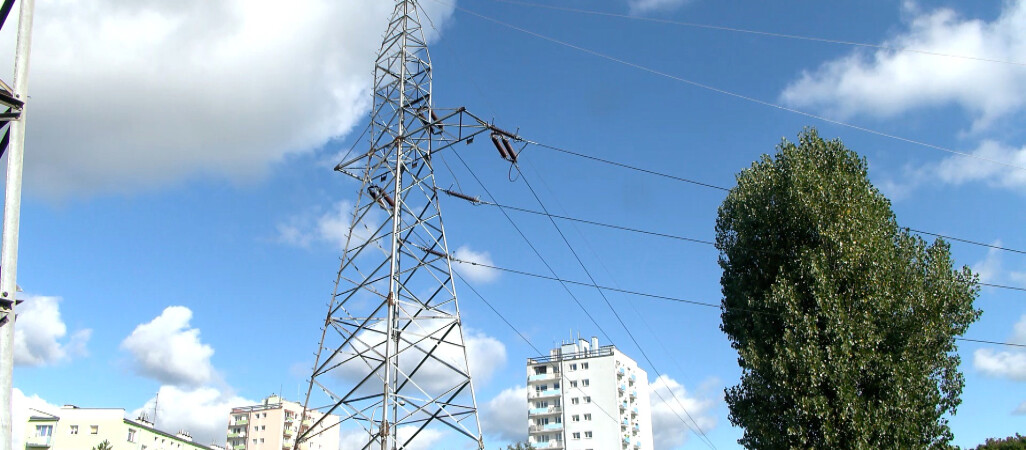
{"x":12,"y":216}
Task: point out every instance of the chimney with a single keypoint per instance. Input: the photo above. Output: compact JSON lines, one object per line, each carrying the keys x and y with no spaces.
{"x":594,"y":343}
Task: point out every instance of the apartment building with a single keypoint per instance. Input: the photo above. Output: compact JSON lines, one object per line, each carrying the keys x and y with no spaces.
{"x":276,"y":423}
{"x":586,"y":397}
{"x":74,"y":428}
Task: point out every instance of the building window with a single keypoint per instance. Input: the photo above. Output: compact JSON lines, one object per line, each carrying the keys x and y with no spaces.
{"x":573,"y":367}
{"x":44,"y":430}
{"x":573,"y":383}
{"x":555,"y":385}
{"x":587,"y":416}
{"x":575,"y":401}
{"x":585,"y":382}
{"x":540,"y":370}
{"x":74,"y":429}
{"x":94,"y":429}
{"x":587,"y":435}
{"x":131,"y":435}
{"x":587,"y":399}
{"x":584,"y":366}
{"x":576,"y":418}
{"x":577,"y":435}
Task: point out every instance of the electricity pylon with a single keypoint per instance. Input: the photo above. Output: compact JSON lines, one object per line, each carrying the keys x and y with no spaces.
{"x":393,"y":356}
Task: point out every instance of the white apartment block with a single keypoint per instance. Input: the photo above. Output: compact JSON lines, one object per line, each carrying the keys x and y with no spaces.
{"x":586,"y":397}
{"x":74,"y":428}
{"x":276,"y":423}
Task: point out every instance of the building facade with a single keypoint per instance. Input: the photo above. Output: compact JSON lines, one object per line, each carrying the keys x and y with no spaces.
{"x":276,"y":423}
{"x":74,"y":428}
{"x":586,"y":397}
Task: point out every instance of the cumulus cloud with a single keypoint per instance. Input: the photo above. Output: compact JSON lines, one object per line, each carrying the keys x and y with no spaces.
{"x":485,"y":356}
{"x":23,"y":407}
{"x":142,"y":94}
{"x":958,"y":170}
{"x":638,"y":7}
{"x":667,"y":429}
{"x":505,"y":416}
{"x":888,"y":82}
{"x":331,"y":227}
{"x":1010,"y":364}
{"x":473,"y":272}
{"x":203,"y":412}
{"x":39,"y":333}
{"x":168,"y":350}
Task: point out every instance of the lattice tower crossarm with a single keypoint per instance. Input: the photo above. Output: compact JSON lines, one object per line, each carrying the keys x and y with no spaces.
{"x":393,"y":358}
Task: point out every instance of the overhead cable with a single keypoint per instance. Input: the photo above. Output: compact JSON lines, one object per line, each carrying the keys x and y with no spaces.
{"x":731,"y":93}
{"x":763,"y":33}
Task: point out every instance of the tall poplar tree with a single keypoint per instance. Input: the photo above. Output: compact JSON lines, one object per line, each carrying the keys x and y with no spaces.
{"x":844,"y":323}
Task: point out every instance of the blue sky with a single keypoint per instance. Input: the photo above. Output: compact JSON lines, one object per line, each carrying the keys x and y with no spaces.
{"x":180,"y":231}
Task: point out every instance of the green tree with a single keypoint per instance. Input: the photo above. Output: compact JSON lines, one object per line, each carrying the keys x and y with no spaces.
{"x":1017,"y":442}
{"x":843,"y":322}
{"x":105,"y":445}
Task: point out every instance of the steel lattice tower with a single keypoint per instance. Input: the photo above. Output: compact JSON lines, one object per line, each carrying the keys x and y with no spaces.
{"x":392,"y":352}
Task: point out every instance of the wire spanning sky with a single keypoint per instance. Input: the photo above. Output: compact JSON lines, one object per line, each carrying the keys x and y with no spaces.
{"x":182,"y":224}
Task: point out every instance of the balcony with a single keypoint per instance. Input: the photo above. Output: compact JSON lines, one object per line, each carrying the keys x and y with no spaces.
{"x":626,"y":440}
{"x":633,"y":378}
{"x":241,"y":446}
{"x":545,"y":410}
{"x":634,"y":412}
{"x":620,"y":372}
{"x":634,"y":394}
{"x":542,"y":377}
{"x":241,"y":422}
{"x":636,"y":429}
{"x":545,"y":393}
{"x":38,"y":442}
{"x":547,"y":428}
{"x":550,"y":444}
{"x":624,"y":423}
{"x":637,"y":444}
{"x":288,"y":432}
{"x":623,"y":406}
{"x":622,"y":387}
{"x":241,"y":434}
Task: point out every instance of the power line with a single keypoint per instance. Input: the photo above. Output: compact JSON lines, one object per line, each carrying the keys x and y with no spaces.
{"x":721,"y":188}
{"x":763,"y":33}
{"x":574,"y":297}
{"x":619,"y":319}
{"x":730,"y":93}
{"x":668,"y":298}
{"x":700,"y":241}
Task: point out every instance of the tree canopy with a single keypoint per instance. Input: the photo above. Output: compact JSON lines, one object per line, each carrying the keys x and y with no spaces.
{"x":844,"y":323}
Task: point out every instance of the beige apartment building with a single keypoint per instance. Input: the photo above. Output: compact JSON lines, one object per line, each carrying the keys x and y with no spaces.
{"x":74,"y":428}
{"x":275,"y":424}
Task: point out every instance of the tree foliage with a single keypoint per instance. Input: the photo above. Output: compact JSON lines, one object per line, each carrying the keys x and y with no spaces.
{"x":105,"y":445}
{"x":1017,"y":442}
{"x":843,"y":322}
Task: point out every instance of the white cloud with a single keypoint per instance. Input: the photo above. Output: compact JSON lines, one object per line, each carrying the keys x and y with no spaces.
{"x":958,"y":170}
{"x":330,"y":227}
{"x":473,"y":272}
{"x":889,"y":82}
{"x":667,"y":429}
{"x":203,"y":412}
{"x":168,"y":350}
{"x":1009,"y":364}
{"x":1021,"y":409}
{"x":485,"y":355}
{"x":989,"y":268}
{"x":130,"y":95}
{"x":21,"y":409}
{"x":638,"y":7}
{"x":39,"y":331}
{"x":505,"y":416}
{"x":425,"y":440}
